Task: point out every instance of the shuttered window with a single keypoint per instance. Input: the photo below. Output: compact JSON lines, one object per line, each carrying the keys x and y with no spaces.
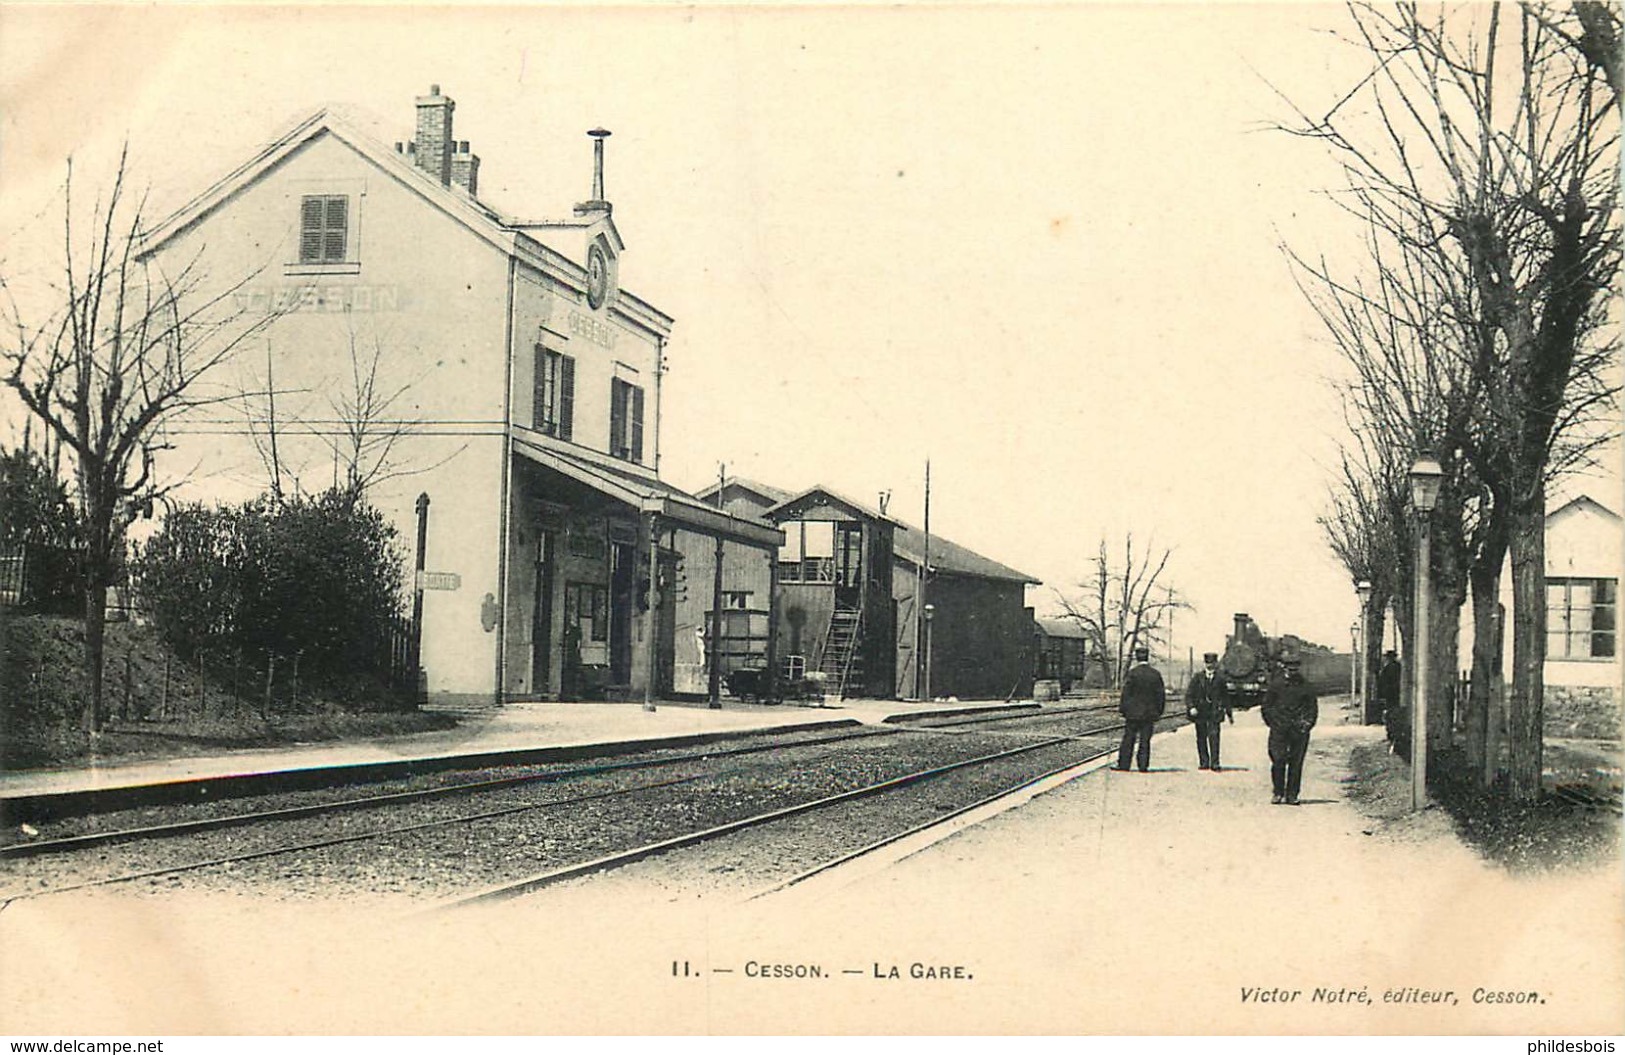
{"x":567,"y":396}
{"x":555,"y":393}
{"x":626,"y":420}
{"x":324,"y":222}
{"x":617,"y":418}
{"x":637,"y":423}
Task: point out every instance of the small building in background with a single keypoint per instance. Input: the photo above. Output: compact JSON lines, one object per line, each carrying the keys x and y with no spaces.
{"x":1060,"y":652}
{"x":980,"y":628}
{"x":845,"y":592}
{"x":1583,"y":670}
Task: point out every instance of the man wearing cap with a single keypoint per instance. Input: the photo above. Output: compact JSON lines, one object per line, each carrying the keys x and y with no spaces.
{"x":1388,"y":679}
{"x":1290,"y":709}
{"x":1142,"y":704}
{"x":1207,"y":706}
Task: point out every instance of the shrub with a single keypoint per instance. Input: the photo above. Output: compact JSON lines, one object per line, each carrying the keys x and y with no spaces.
{"x":34,"y":503}
{"x":320,"y":578}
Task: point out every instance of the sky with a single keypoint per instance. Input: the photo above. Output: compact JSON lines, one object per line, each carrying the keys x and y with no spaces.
{"x":1040,"y":246}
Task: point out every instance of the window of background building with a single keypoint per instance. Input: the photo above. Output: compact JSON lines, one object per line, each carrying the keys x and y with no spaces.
{"x":808,"y":553}
{"x":555,"y":393}
{"x":1581,"y":618}
{"x":324,"y":224}
{"x":739,"y":599}
{"x":625,"y":420}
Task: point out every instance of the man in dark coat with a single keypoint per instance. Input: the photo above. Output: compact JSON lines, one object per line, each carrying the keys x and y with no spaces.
{"x":1290,"y":710}
{"x":1388,"y":679}
{"x":1393,"y":718}
{"x":1142,"y":704}
{"x":1207,"y":705}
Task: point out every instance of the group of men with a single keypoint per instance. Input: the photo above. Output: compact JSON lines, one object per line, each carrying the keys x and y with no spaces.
{"x":1290,"y":709}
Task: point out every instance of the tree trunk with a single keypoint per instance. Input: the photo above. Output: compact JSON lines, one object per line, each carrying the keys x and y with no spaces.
{"x":96,"y":577}
{"x":1399,"y":725}
{"x":1444,"y":646}
{"x":1376,"y":625}
{"x":103,"y":539}
{"x":1526,"y":700}
{"x":1485,"y":581}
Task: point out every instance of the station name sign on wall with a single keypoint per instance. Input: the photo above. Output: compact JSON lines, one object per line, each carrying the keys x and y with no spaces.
{"x":591,"y":329}
{"x":290,"y":299}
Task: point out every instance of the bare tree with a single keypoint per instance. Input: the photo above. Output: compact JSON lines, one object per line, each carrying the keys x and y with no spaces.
{"x":363,"y":427}
{"x":126,"y":349}
{"x":1120,"y":607}
{"x":1481,"y":152}
{"x":371,"y":428}
{"x":1364,"y":527}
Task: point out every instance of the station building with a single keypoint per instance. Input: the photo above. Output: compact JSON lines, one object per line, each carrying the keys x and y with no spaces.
{"x":516,"y":380}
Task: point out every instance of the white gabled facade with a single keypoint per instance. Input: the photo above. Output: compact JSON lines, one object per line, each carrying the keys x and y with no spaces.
{"x":525,"y":383}
{"x":1583,"y":563}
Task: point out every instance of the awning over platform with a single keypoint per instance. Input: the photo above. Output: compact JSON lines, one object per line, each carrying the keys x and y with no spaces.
{"x":649,"y":495}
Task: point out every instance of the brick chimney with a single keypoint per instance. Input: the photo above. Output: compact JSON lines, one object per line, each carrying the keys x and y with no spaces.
{"x":433,"y":142}
{"x":465,"y":169}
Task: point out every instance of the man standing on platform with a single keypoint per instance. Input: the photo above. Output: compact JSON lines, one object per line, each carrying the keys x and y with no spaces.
{"x":1388,"y":679}
{"x":1290,"y":710}
{"x":1142,"y":704}
{"x":1207,"y":705}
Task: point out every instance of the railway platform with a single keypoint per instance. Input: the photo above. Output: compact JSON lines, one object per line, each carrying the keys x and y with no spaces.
{"x":513,"y":733}
{"x":1183,"y":900}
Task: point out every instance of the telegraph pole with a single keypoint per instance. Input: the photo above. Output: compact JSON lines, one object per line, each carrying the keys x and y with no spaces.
{"x":922,"y":659}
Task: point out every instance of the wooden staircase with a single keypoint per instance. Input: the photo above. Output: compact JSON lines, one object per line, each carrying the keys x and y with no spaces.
{"x":842,"y":661}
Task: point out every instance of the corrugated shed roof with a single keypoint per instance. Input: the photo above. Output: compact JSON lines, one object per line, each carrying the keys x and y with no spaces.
{"x":949,"y":556}
{"x":773,"y":494}
{"x":1060,"y":626}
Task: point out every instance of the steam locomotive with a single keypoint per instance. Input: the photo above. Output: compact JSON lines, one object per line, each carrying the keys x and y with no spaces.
{"x":1251,"y":658}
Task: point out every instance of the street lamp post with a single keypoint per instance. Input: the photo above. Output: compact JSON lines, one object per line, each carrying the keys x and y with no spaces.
{"x":1426,"y":476}
{"x":1363,"y":589}
{"x":1354,"y":662}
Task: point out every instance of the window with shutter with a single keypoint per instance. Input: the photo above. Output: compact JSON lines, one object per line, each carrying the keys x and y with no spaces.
{"x":324,"y":221}
{"x":555,"y":393}
{"x":542,"y":409}
{"x":567,"y":396}
{"x":636,"y":414}
{"x":617,"y":418}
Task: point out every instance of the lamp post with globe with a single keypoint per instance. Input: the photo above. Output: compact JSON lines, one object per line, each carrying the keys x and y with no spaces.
{"x":1426,"y":477}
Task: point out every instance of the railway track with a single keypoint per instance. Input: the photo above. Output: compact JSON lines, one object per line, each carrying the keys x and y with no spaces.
{"x":232,"y":820}
{"x":38,"y":847}
{"x":600,"y":863}
{"x":622,"y":859}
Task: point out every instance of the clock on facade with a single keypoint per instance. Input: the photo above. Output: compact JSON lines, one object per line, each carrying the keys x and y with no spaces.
{"x":600,"y":275}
